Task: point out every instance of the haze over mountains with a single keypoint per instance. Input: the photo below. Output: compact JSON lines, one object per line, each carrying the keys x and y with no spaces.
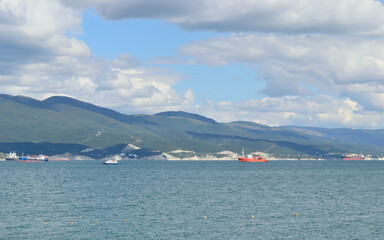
{"x":60,"y":125}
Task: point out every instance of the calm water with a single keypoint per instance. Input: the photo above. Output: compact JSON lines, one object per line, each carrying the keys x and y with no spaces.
{"x":197,"y":200}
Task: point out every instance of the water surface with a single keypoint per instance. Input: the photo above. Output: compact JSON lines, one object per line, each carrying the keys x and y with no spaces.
{"x":192,"y":200}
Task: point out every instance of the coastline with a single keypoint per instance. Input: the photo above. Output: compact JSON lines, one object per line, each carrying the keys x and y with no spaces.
{"x":184,"y":155}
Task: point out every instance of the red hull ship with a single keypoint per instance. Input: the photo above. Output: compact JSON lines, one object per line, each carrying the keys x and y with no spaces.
{"x":252,"y":158}
{"x":353,"y":157}
{"x":244,"y":159}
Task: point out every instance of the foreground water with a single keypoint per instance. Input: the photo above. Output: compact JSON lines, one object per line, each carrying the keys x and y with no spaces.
{"x":192,"y":200}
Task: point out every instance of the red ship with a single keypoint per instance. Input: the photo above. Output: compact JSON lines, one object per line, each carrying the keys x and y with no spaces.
{"x":252,"y":158}
{"x":353,"y":157}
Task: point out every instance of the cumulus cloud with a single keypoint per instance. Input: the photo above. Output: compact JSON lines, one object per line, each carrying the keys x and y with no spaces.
{"x":148,"y":89}
{"x":302,"y":64}
{"x":36,"y":33}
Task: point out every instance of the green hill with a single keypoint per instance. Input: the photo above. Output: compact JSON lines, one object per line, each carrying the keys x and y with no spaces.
{"x":61,"y":124}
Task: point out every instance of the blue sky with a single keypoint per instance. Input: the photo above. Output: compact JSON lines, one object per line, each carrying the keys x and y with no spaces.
{"x":144,"y":38}
{"x":149,"y":40}
{"x":308,"y":62}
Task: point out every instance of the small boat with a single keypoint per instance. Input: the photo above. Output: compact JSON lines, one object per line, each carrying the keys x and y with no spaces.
{"x":111,"y":162}
{"x":12,"y":156}
{"x":252,"y":158}
{"x":34,"y":158}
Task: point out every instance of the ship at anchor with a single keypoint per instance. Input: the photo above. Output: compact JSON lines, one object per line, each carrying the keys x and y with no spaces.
{"x":353,"y":157}
{"x":254,"y":157}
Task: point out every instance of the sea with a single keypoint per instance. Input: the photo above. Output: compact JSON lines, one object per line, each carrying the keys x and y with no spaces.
{"x":192,"y":200}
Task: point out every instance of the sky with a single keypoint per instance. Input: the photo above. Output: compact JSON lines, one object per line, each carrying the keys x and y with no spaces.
{"x":275,"y":62}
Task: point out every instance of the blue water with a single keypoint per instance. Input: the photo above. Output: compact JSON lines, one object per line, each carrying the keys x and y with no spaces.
{"x":197,"y":200}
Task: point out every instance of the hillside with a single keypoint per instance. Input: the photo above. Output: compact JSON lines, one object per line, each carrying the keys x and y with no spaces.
{"x":60,"y":124}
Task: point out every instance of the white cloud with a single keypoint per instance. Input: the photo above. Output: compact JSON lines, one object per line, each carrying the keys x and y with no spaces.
{"x":302,"y":64}
{"x":37,"y":33}
{"x":146,"y":90}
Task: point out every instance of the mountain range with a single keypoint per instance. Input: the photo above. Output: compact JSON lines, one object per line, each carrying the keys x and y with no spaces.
{"x":59,"y":125}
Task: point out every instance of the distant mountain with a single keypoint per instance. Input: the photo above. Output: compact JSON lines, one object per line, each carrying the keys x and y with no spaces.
{"x":61,"y":124}
{"x":359,"y":136}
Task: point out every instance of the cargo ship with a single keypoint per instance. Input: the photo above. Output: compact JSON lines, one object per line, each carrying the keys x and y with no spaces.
{"x":353,"y":157}
{"x":34,"y":158}
{"x":254,"y":157}
{"x":12,"y":156}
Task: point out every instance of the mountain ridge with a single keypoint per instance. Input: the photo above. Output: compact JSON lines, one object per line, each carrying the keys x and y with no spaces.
{"x":62,"y":124}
